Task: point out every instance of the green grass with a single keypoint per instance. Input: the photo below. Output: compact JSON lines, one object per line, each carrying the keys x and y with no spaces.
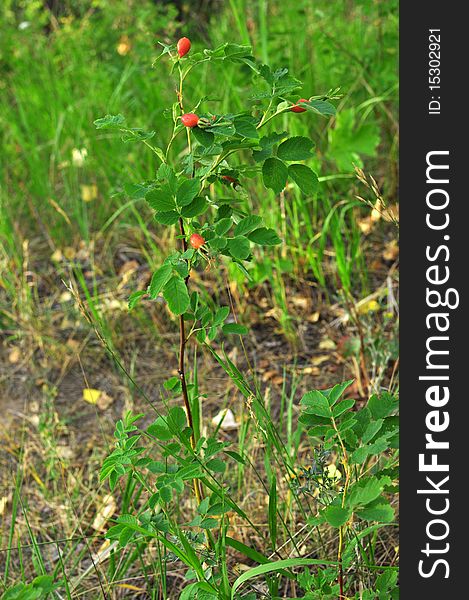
{"x":56,"y":85}
{"x":56,"y":77}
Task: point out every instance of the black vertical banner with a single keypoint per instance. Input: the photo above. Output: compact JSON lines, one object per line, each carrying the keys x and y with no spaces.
{"x":434,"y":266}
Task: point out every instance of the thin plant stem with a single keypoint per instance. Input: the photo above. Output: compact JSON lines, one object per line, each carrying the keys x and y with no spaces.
{"x":182,"y":329}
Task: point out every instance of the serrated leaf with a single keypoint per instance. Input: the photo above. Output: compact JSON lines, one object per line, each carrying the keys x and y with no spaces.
{"x":336,"y":515}
{"x":295,"y":148}
{"x":167,"y":218}
{"x":382,"y":406}
{"x":223,"y":225}
{"x":274,"y":174}
{"x":187,"y":191}
{"x":323,"y":107}
{"x":158,"y":280}
{"x":381,"y":444}
{"x":135,"y":190}
{"x":109,"y":121}
{"x":317,"y":404}
{"x":366,"y":490}
{"x":160,"y":199}
{"x":197,"y":207}
{"x":371,"y":430}
{"x":245,"y":126}
{"x":264,"y":237}
{"x":177,"y":418}
{"x":342,"y":407}
{"x":333,"y":394}
{"x":134,"y":298}
{"x":137,"y":134}
{"x":247,"y":225}
{"x":176,"y":295}
{"x":267,"y":143}
{"x":160,"y":430}
{"x":217,"y":465}
{"x":218,"y":243}
{"x":380,"y":510}
{"x":205,"y":138}
{"x":239,"y":247}
{"x":304,"y":177}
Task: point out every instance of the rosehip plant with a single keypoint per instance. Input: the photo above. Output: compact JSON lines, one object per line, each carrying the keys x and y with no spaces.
{"x":189,"y":195}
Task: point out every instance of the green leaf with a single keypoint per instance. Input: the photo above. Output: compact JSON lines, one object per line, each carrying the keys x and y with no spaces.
{"x":383,"y":405}
{"x":239,"y":247}
{"x":273,"y":511}
{"x":371,"y":430}
{"x":137,"y":134}
{"x":166,"y":493}
{"x":223,"y":225}
{"x":217,"y":465}
{"x":159,"y":280}
{"x":221,"y":315}
{"x":333,"y":394}
{"x":381,"y":444}
{"x":161,"y":199}
{"x":275,"y":174}
{"x":267,"y":144}
{"x":109,"y":122}
{"x":342,"y":407}
{"x":304,"y":177}
{"x":316,"y":403}
{"x":197,"y":207}
{"x":295,"y":148}
{"x":366,"y":490}
{"x":264,"y":237}
{"x":160,"y":430}
{"x":187,"y":191}
{"x":218,"y":243}
{"x":247,"y":551}
{"x":245,"y":126}
{"x":247,"y":224}
{"x":167,"y":218}
{"x":173,"y":383}
{"x":134,"y":298}
{"x":322,"y":107}
{"x":177,"y":418}
{"x":336,"y":515}
{"x":135,"y":190}
{"x":234,"y":328}
{"x":176,"y":295}
{"x":237,"y":457}
{"x":276,"y":566}
{"x":205,"y":138}
{"x":380,"y":510}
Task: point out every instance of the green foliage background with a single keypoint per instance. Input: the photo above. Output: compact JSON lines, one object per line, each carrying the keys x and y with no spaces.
{"x":58,"y":72}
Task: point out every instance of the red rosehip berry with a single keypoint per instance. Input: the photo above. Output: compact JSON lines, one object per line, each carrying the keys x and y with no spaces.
{"x":299,"y":109}
{"x":229,"y":179}
{"x":196,"y":241}
{"x":190,"y":120}
{"x":183,"y":46}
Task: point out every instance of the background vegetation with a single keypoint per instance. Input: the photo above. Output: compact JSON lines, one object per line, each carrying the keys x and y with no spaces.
{"x":322,"y":307}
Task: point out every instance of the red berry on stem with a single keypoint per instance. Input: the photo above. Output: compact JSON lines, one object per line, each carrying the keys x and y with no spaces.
{"x":183,"y":46}
{"x":196,"y":241}
{"x":229,"y":179}
{"x":299,"y":109}
{"x":190,"y":120}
